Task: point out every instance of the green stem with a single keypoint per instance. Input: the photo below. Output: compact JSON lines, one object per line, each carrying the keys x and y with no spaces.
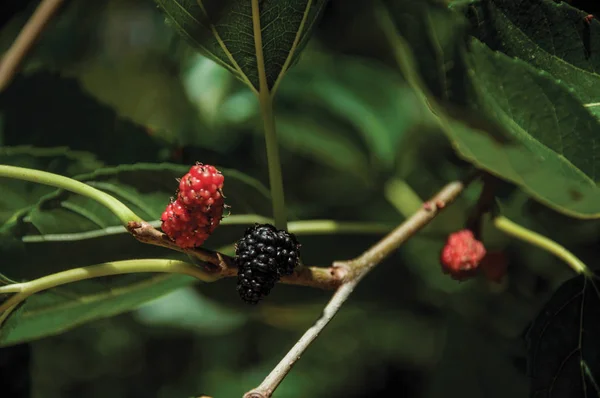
{"x":27,"y":289}
{"x":266,"y":110}
{"x":403,"y":197}
{"x":511,"y":228}
{"x":324,"y":227}
{"x":43,"y":177}
{"x":303,"y":227}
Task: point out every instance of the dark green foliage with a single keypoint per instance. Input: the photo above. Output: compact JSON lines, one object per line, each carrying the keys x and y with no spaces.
{"x":115,"y":97}
{"x":563,"y":349}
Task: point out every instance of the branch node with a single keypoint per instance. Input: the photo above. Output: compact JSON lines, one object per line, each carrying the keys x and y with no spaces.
{"x":255,"y":394}
{"x":340,"y":271}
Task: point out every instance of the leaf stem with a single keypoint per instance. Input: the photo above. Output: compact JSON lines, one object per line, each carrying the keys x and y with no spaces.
{"x":513,"y":229}
{"x":43,"y":177}
{"x":27,"y":289}
{"x":266,"y":110}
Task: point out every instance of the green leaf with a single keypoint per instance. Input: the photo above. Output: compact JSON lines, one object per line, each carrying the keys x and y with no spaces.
{"x":549,"y":35}
{"x":65,"y":231}
{"x":509,"y":118}
{"x":223,"y":30}
{"x":554,"y":156}
{"x":18,"y":195}
{"x":563,"y":349}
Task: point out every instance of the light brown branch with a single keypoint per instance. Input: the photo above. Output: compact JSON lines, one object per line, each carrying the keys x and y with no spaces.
{"x":328,"y":278}
{"x":359,"y":268}
{"x":13,"y":58}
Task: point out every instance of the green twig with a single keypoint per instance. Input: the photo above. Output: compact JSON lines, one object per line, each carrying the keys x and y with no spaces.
{"x":27,"y":289}
{"x":301,"y":227}
{"x":43,"y":177}
{"x":511,"y":228}
{"x":266,"y":110}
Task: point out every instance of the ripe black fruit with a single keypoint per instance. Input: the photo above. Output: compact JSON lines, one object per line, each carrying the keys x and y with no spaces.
{"x":264,"y":255}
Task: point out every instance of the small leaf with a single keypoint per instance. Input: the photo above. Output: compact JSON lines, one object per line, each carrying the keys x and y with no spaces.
{"x":563,"y":345}
{"x":223,"y":30}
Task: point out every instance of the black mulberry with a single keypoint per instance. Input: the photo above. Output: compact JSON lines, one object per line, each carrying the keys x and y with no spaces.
{"x":264,"y":255}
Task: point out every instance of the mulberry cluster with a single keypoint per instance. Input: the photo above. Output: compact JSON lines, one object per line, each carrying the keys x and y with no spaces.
{"x":198,"y":209}
{"x":461,"y":255}
{"x":264,"y":255}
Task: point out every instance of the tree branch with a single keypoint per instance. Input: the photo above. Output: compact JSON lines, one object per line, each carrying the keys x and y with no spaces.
{"x":358,"y":269}
{"x":15,"y":55}
{"x":222,"y":265}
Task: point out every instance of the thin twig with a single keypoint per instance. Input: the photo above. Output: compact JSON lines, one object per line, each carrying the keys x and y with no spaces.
{"x":13,"y":58}
{"x":358,"y":269}
{"x":328,"y":278}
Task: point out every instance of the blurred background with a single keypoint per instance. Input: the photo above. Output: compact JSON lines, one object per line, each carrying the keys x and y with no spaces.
{"x":112,"y":78}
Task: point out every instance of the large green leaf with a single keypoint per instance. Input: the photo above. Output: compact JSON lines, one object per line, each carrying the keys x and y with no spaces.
{"x":223,"y":30}
{"x":65,"y":231}
{"x":549,"y":35}
{"x":555,"y":156}
{"x":507,"y":117}
{"x":563,"y":346}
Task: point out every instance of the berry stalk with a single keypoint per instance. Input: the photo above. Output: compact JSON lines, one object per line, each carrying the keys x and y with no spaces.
{"x":526,"y":235}
{"x":124,"y":213}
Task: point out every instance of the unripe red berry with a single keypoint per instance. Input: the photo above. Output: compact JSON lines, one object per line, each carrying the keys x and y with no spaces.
{"x":461,"y":255}
{"x":198,"y":210}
